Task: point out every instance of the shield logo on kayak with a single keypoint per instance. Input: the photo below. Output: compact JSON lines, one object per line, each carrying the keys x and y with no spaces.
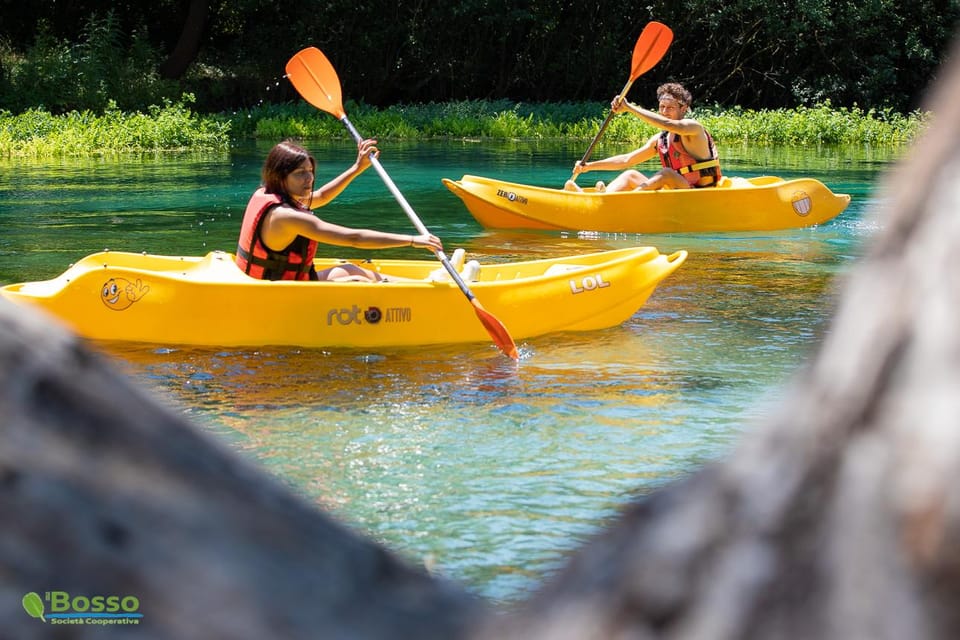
{"x":801,"y":202}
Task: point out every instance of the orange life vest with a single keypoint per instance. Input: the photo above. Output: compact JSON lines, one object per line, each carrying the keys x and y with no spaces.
{"x":699,"y":173}
{"x":294,"y":262}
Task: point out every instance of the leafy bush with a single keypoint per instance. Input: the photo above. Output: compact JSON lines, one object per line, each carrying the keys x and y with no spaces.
{"x":92,"y":74}
{"x":67,"y":56}
{"x":172,"y":127}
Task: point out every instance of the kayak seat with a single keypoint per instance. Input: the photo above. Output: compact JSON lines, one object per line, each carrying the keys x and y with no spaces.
{"x":41,"y":288}
{"x":725,"y":183}
{"x":561,"y":267}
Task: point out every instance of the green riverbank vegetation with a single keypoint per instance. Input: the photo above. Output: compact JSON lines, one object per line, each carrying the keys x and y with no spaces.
{"x":175,"y":127}
{"x":503,"y":119}
{"x":38,"y":133}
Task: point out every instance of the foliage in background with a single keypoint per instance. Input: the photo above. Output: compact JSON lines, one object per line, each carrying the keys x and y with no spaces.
{"x":502,"y":119}
{"x":753,"y":54}
{"x":875,"y":54}
{"x":36,"y":132}
{"x":101,"y":68}
{"x":172,"y":127}
{"x":822,"y":124}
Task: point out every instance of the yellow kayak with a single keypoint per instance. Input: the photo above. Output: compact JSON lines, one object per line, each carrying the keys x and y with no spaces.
{"x":209,"y":301}
{"x":737,"y":204}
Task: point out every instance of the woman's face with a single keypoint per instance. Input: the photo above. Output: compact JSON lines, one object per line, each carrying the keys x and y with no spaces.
{"x":299,"y":183}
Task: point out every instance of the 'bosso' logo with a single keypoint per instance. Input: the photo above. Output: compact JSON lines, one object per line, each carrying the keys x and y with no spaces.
{"x":82,"y":609}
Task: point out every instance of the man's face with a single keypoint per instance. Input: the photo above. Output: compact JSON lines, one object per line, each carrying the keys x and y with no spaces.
{"x":670,"y":108}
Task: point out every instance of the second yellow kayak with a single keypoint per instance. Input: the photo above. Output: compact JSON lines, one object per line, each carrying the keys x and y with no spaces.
{"x":738,"y":204}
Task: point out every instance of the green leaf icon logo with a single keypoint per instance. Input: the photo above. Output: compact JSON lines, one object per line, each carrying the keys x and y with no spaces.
{"x":33,"y":605}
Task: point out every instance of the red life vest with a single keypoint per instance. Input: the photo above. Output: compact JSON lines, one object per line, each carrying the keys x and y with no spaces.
{"x":699,"y":173}
{"x":294,"y":262}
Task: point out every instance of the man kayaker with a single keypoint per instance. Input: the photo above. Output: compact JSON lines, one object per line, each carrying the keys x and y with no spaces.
{"x":280,"y":233}
{"x":687,"y":152}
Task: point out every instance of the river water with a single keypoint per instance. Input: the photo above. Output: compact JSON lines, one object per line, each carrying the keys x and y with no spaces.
{"x":487,"y":471}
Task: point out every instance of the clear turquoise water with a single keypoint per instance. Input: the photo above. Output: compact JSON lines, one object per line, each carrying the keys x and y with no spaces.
{"x":487,"y":471}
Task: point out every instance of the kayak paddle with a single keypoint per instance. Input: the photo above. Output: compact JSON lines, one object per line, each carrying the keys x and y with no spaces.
{"x":652,"y":44}
{"x":317,"y":82}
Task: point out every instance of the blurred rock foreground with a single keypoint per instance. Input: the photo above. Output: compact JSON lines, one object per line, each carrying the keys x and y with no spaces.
{"x":839,"y":518}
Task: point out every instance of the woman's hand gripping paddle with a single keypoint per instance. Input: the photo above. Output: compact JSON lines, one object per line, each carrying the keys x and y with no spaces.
{"x":315,"y":79}
{"x":652,"y":44}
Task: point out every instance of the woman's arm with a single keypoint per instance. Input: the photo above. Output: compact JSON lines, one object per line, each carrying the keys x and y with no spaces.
{"x":332,"y":189}
{"x":283,"y":224}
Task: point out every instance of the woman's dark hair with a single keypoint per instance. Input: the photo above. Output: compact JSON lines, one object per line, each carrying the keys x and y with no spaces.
{"x":283,"y":160}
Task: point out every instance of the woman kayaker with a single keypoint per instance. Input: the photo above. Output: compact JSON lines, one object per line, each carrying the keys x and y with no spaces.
{"x":687,"y":152}
{"x":279,"y":233}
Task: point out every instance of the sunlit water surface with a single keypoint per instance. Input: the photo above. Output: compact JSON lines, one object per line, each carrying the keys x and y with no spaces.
{"x":487,"y":471}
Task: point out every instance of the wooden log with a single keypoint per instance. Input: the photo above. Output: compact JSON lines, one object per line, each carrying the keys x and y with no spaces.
{"x":103,"y":491}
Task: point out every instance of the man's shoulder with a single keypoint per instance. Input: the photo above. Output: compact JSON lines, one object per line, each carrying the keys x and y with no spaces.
{"x":695,"y":129}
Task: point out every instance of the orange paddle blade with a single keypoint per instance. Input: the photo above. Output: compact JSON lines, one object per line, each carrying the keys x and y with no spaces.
{"x":501,"y":337}
{"x":316,"y":80}
{"x":652,"y":44}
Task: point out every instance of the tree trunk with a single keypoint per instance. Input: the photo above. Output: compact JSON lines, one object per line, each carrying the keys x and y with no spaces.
{"x":185,"y":52}
{"x":104,"y":491}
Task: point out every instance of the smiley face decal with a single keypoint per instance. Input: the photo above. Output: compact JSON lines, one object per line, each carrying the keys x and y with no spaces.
{"x":120,"y":293}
